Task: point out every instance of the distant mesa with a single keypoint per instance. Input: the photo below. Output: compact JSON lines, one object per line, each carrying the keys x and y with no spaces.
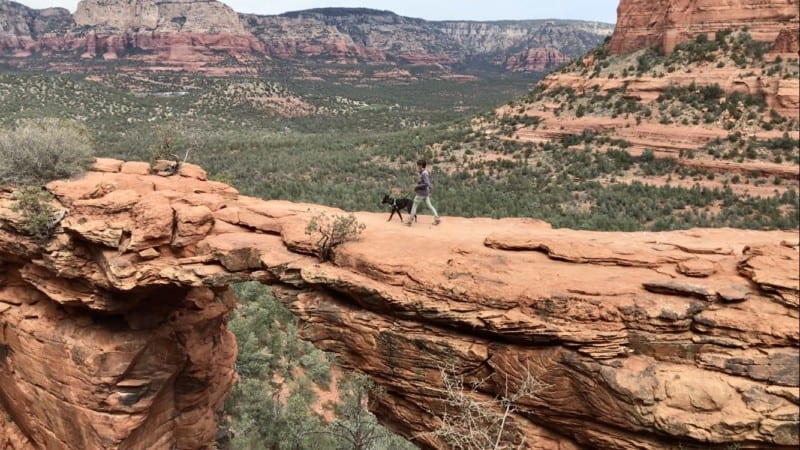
{"x":208,"y":36}
{"x":338,"y":12}
{"x":187,"y":16}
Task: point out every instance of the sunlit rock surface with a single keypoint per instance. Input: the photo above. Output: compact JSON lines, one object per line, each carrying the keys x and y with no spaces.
{"x":113,"y":331}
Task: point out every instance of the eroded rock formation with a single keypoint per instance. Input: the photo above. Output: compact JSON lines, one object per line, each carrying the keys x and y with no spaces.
{"x":165,"y":16}
{"x":625,"y":99}
{"x":663,"y":24}
{"x":536,"y":59}
{"x":20,"y":26}
{"x":197,"y":35}
{"x":113,"y":330}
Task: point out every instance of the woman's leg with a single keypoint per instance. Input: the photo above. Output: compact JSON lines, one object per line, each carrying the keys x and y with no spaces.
{"x":430,"y":206}
{"x":417,"y":201}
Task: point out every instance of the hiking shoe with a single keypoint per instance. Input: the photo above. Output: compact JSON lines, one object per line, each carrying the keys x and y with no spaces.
{"x":437,"y":221}
{"x":408,"y":224}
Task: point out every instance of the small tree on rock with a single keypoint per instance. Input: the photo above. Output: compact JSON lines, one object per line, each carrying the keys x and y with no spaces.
{"x":333,"y":231}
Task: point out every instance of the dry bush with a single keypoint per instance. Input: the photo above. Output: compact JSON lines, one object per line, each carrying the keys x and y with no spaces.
{"x":35,"y":152}
{"x":472,"y":421}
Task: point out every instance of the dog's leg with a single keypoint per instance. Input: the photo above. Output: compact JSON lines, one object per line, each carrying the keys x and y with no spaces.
{"x":400,"y":215}
{"x":390,"y":216}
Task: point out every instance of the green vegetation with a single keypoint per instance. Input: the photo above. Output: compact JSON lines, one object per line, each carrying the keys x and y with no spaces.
{"x":38,"y":216}
{"x":727,"y":49}
{"x":599,"y":185}
{"x":280,"y":377}
{"x":35,"y":152}
{"x":345,"y":143}
{"x":348,"y":159}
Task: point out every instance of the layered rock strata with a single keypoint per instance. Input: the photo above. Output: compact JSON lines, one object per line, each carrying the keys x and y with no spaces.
{"x":165,"y":16}
{"x":640,"y":114}
{"x":663,"y":24}
{"x":380,"y":36}
{"x":113,"y":330}
{"x":193,"y":34}
{"x":21,"y":27}
{"x":198,"y":34}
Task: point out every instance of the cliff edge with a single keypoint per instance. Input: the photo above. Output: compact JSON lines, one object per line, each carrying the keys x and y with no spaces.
{"x":113,"y":331}
{"x":663,"y":24}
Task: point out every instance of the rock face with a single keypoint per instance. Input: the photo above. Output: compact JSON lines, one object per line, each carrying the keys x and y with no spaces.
{"x":663,"y":24}
{"x":21,"y":26}
{"x":537,"y":59}
{"x":207,"y":32}
{"x":165,"y":16}
{"x":788,"y":41}
{"x":191,"y":34}
{"x":113,"y":330}
{"x":626,"y":98}
{"x":381,"y":35}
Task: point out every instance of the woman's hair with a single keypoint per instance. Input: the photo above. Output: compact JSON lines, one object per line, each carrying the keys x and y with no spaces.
{"x":422,"y":163}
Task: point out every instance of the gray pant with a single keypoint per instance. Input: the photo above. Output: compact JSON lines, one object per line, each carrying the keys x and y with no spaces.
{"x":419,"y":199}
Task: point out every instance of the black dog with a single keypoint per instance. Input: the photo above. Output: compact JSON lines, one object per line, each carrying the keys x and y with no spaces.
{"x":397,"y":204}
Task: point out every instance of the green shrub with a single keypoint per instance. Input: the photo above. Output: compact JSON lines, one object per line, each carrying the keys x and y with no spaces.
{"x":38,"y":216}
{"x":333,"y":231}
{"x":570,"y":140}
{"x":38,"y":151}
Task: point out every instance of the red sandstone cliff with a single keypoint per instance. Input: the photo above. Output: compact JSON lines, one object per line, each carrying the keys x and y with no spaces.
{"x":625,"y":97}
{"x":536,"y":60}
{"x":663,"y":24}
{"x":201,"y":35}
{"x":113,"y":331}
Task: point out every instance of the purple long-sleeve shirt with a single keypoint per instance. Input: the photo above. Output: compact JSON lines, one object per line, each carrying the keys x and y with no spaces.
{"x":423,"y":187}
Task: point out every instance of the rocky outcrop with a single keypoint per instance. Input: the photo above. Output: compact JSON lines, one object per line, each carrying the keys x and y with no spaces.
{"x":372,"y":35}
{"x":192,"y":34}
{"x":199,"y":34}
{"x":21,"y":27}
{"x":624,"y":99}
{"x":673,"y":140}
{"x":779,"y":93}
{"x":663,"y":24}
{"x":113,"y":330}
{"x":788,"y":41}
{"x":536,"y":60}
{"x":164,"y":16}
{"x":87,"y":364}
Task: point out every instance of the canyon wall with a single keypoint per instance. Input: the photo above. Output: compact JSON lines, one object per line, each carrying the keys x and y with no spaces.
{"x":197,"y":34}
{"x":21,"y":26}
{"x":628,"y":98}
{"x":663,"y":24}
{"x":113,"y":329}
{"x":177,"y":16}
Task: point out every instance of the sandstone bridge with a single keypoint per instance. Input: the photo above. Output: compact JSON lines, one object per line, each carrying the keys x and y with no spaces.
{"x":113,"y":333}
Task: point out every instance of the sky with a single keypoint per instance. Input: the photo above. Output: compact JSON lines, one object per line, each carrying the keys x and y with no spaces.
{"x":599,"y":10}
